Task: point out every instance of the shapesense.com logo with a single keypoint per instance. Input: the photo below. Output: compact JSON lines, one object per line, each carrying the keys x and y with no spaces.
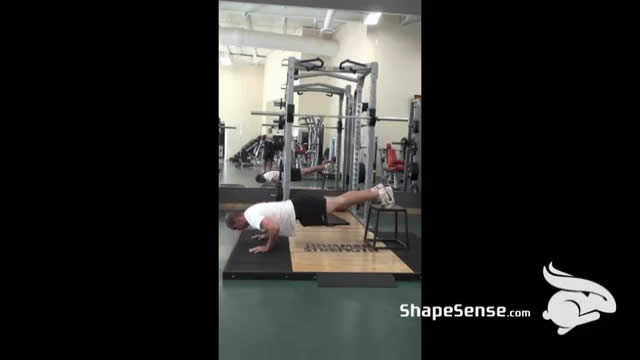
{"x":458,"y":311}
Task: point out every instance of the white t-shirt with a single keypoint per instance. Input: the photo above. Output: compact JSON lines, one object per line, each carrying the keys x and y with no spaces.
{"x":269,"y":175}
{"x":281,"y":211}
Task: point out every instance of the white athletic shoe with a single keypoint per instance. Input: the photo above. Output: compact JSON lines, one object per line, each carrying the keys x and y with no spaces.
{"x":377,"y":188}
{"x":389,"y":190}
{"x":389,"y":201}
{"x":385,"y":200}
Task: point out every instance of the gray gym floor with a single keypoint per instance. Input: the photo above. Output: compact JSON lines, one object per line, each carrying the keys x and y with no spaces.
{"x":286,"y":319}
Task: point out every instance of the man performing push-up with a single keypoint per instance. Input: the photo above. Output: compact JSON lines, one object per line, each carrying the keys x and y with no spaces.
{"x":278,"y":218}
{"x":296,"y":174}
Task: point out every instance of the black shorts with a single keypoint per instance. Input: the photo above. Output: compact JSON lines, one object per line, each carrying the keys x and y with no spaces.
{"x":268,"y":151}
{"x":311,"y":210}
{"x":296,"y":174}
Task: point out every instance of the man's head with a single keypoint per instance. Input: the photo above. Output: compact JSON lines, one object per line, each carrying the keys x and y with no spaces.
{"x":260,"y":178}
{"x":269,"y":130}
{"x":236,"y":221}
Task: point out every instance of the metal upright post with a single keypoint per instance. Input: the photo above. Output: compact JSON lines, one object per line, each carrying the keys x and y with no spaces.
{"x":418,"y":137}
{"x":320,"y":138}
{"x":348,"y":140}
{"x":288,"y":130}
{"x":338,"y":143}
{"x":371,"y":143}
{"x":355,"y":166}
{"x":407,"y":158}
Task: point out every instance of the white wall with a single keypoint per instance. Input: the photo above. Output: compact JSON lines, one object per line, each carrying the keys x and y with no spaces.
{"x":320,"y":103}
{"x":397,"y":49}
{"x":240,"y":90}
{"x":243,"y":88}
{"x":275,"y":76}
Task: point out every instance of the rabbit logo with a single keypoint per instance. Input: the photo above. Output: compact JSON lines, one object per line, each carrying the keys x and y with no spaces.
{"x":578,"y":302}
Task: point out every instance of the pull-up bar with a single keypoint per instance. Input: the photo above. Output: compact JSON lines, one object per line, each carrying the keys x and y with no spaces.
{"x":337,"y":76}
{"x":330,"y":69}
{"x":320,"y":86}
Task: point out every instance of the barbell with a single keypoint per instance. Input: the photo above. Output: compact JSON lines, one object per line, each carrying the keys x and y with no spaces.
{"x":379,"y":118}
{"x":301,"y":126}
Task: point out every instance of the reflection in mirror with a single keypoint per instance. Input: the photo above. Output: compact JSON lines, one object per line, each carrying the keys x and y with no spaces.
{"x":324,"y":149}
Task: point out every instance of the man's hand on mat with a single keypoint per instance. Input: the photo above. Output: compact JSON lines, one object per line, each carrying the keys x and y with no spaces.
{"x":259,"y":237}
{"x":258,"y":249}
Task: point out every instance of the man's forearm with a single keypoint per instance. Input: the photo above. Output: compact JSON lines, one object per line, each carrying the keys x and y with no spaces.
{"x":273,"y":237}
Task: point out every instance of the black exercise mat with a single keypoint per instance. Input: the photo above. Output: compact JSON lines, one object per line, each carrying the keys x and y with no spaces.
{"x":267,"y":185}
{"x":333,"y":220}
{"x":231,"y":185}
{"x":241,"y":261}
{"x":356,"y":280}
{"x":411,"y":256}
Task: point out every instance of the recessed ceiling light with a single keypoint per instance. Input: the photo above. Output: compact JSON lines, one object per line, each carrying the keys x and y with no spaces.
{"x":372,"y":18}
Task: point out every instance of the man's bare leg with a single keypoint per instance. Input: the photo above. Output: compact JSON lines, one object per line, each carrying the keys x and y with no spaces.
{"x":344,"y":201}
{"x":311,"y":170}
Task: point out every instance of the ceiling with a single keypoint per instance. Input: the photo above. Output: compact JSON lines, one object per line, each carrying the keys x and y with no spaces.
{"x":271,"y":18}
{"x":403,"y":7}
{"x":273,"y":15}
